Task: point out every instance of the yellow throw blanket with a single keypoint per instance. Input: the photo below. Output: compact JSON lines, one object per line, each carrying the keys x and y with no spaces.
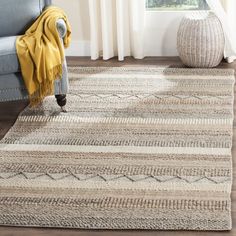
{"x":41,"y":54}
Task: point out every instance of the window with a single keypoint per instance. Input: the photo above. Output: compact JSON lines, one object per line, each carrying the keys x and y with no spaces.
{"x":175,"y":5}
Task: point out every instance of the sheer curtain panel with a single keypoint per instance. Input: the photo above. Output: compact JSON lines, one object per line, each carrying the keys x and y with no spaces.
{"x":117,"y":28}
{"x":226,"y":12}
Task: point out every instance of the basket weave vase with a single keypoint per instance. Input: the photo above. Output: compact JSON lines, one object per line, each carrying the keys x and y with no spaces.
{"x":200,"y":40}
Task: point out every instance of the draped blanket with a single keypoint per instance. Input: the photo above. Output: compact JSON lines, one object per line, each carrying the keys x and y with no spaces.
{"x":41,"y":54}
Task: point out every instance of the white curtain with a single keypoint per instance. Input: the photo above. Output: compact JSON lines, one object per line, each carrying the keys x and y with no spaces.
{"x":226,"y":12}
{"x":117,"y":28}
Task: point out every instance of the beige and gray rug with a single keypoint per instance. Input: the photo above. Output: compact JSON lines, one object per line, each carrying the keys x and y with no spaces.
{"x":140,"y":148}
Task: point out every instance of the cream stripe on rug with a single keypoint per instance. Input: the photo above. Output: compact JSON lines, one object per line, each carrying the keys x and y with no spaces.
{"x":139,"y":148}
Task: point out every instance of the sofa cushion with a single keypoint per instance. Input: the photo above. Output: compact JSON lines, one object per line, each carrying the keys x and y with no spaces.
{"x":12,"y":87}
{"x":17,"y":15}
{"x":8,"y":58}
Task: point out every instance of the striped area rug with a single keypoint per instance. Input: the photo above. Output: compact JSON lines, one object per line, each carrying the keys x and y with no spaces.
{"x":139,"y":148}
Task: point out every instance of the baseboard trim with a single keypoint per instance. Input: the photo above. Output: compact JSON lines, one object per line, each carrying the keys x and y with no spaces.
{"x":78,"y":48}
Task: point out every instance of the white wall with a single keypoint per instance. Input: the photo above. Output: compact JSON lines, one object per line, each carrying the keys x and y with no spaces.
{"x":78,"y":14}
{"x":161,"y":33}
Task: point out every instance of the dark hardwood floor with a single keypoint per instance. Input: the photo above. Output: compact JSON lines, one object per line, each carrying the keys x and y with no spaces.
{"x":10,"y":110}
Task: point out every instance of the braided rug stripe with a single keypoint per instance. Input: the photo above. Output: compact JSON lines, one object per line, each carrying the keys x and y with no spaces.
{"x":139,"y":148}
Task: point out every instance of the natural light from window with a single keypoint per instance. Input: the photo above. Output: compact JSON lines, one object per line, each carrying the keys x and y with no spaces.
{"x":176,"y":5}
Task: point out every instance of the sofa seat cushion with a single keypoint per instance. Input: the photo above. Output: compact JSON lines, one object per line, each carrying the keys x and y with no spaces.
{"x":8,"y":58}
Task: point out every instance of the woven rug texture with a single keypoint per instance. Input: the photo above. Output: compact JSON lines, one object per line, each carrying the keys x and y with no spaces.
{"x":139,"y":148}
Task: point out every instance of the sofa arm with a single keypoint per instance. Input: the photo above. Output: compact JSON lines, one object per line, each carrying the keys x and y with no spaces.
{"x":61,"y":27}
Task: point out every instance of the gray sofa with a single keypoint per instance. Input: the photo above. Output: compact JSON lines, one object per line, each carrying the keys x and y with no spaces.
{"x":15,"y":17}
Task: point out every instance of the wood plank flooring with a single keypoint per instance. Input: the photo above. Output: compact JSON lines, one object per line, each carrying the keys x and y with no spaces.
{"x":10,"y":110}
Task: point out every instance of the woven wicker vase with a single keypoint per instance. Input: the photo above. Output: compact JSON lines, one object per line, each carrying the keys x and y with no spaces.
{"x":200,"y":40}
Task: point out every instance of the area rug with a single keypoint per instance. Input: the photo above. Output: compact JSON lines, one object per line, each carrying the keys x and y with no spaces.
{"x":139,"y":148}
